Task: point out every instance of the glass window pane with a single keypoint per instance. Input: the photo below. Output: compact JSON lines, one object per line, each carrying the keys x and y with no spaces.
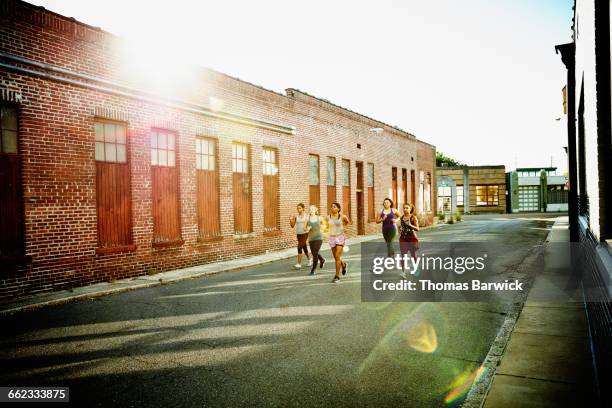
{"x":154,"y":157}
{"x":9,"y":118}
{"x":120,"y":134}
{"x":266,"y":155}
{"x":100,"y":151}
{"x":204,"y":162}
{"x":99,"y":131}
{"x":211,"y":147}
{"x":110,"y":152}
{"x":234,"y":165}
{"x":198,"y":162}
{"x":171,"y":156}
{"x":109,"y":132}
{"x":121,"y":155}
{"x":154,"y":140}
{"x":162,"y":141}
{"x":162,"y":157}
{"x":272,"y":156}
{"x":9,"y":141}
{"x":171,"y":142}
{"x":233,"y":150}
{"x":211,"y":162}
{"x":198,"y":146}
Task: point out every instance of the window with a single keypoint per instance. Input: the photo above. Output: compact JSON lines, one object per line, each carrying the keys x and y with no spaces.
{"x":421,"y":191}
{"x":205,"y":154}
{"x":8,"y":128}
{"x":12,"y":237}
{"x":163,"y":150}
{"x":487,"y":195}
{"x":394,"y":186}
{"x":444,"y":198}
{"x":113,"y":189}
{"x":459,"y":196}
{"x":270,"y":167}
{"x":271,"y":196}
{"x":165,"y":184}
{"x":240,"y":158}
{"x":313,"y":178}
{"x":331,"y":171}
{"x":207,"y":188}
{"x":370,"y":182}
{"x":331,"y":181}
{"x":241,"y":179}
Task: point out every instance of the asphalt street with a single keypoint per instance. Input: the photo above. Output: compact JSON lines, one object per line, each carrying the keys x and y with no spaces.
{"x":265,"y":336}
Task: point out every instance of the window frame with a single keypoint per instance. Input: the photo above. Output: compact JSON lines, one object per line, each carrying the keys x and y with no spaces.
{"x":487,"y":202}
{"x":9,"y":106}
{"x":175,"y":150}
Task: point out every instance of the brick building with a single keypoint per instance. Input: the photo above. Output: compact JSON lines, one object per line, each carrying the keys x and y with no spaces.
{"x":486,"y":191}
{"x":587,"y":115}
{"x":107,"y":174}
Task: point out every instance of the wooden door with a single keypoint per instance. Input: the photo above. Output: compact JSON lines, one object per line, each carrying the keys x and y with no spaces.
{"x":314,"y":188}
{"x":114,"y":204}
{"x":346,"y":187}
{"x":360,"y":192}
{"x":207,"y":188}
{"x":331,"y":182}
{"x":412,"y":188}
{"x":241,"y":187}
{"x":271,"y":190}
{"x":11,"y":204}
{"x":404,"y":187}
{"x":394,"y":186}
{"x":166,"y":225}
{"x":165,"y":186}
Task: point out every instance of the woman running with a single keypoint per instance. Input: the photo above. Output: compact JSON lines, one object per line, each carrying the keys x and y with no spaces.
{"x":315,"y":238}
{"x":409,"y":225}
{"x":299,"y":223}
{"x":389,"y":217}
{"x":337,"y":239}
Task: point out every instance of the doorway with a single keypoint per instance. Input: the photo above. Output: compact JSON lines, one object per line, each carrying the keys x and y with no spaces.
{"x":360,"y":209}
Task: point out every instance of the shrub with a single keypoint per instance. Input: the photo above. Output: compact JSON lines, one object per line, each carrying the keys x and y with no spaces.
{"x":451,"y":220}
{"x":458,"y":216}
{"x":441,"y":217}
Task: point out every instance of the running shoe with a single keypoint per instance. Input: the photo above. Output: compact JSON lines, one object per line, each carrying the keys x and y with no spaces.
{"x":335,"y":280}
{"x":344,"y":268}
{"x":403,"y":275}
{"x":297,"y":266}
{"x":321,"y":262}
{"x":312,"y":273}
{"x":310,"y":262}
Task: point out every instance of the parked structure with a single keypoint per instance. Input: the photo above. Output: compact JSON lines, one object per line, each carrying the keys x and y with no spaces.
{"x":589,"y":148}
{"x":105,"y":174}
{"x":536,"y":189}
{"x":485,"y":191}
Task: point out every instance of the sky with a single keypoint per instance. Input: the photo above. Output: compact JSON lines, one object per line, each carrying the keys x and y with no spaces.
{"x":479,"y":79}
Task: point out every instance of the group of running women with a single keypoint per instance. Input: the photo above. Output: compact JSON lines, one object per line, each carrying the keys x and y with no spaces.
{"x":308,"y":228}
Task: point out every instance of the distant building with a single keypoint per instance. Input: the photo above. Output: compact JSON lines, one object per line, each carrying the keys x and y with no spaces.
{"x":471,"y":189}
{"x":536,"y":189}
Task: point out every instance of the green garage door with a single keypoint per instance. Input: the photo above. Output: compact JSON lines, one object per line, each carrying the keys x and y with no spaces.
{"x":529,"y":198}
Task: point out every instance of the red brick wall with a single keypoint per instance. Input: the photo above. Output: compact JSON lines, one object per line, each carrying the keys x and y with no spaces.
{"x":426,"y":159}
{"x":58,"y":167}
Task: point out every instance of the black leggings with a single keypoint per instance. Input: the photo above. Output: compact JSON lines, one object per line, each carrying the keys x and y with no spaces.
{"x":302,"y":245}
{"x":389,"y":235}
{"x":315,"y":247}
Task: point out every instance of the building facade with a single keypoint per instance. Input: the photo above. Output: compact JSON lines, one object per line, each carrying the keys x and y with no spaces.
{"x":109,"y":171}
{"x":471,"y":189}
{"x":536,"y":189}
{"x":589,"y":148}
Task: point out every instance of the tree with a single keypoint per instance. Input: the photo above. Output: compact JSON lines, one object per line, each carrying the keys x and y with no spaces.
{"x":442,"y":160}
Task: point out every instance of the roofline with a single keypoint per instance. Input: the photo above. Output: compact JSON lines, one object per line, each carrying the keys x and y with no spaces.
{"x":494,"y":166}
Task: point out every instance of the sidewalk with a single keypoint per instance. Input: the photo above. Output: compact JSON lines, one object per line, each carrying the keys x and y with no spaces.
{"x":140,"y":282}
{"x":547,"y":361}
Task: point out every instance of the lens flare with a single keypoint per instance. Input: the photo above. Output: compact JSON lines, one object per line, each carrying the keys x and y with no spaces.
{"x":460,"y":386}
{"x":423,"y":337}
